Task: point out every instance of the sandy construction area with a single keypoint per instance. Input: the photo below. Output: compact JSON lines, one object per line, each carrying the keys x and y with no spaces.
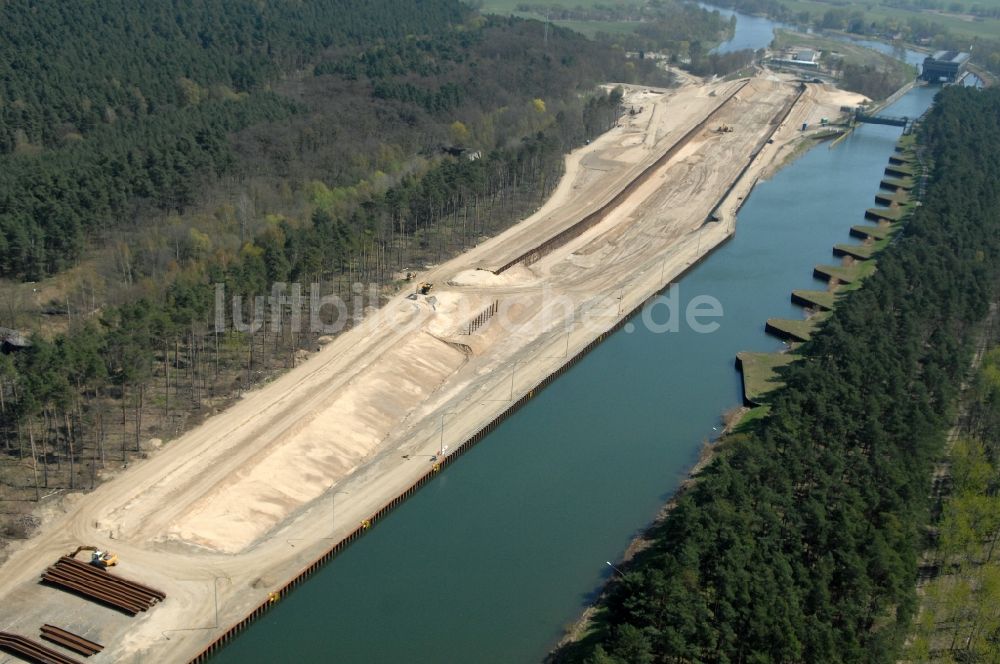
{"x":234,"y":508}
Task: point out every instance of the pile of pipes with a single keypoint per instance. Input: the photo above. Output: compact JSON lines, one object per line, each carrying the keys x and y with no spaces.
{"x":32,"y":651}
{"x":94,"y":583}
{"x":71,"y":641}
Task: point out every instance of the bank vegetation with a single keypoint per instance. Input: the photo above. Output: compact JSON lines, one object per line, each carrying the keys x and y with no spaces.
{"x":801,"y":541}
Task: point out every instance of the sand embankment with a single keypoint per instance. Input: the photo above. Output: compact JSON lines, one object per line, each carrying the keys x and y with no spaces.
{"x":234,"y":508}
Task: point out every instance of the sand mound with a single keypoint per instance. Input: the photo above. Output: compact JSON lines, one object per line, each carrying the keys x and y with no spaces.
{"x":300,"y":467}
{"x":519,"y":275}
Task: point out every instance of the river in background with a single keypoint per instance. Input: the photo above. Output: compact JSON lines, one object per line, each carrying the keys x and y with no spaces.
{"x":756,"y":32}
{"x":753,"y":32}
{"x":493,"y":559}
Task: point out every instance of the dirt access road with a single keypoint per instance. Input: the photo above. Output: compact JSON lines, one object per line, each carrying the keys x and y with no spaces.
{"x":230,"y":511}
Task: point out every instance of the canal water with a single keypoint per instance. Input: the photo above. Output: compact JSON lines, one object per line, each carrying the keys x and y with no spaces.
{"x":493,"y":559}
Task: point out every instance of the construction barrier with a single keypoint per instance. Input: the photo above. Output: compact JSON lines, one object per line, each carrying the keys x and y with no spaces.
{"x":482,"y":318}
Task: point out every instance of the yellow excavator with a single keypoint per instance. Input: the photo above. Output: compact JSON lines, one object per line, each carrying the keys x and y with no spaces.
{"x":425,"y":288}
{"x":98,"y":558}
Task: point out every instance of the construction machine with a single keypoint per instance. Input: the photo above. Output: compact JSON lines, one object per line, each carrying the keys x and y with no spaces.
{"x":425,"y":288}
{"x":98,"y":558}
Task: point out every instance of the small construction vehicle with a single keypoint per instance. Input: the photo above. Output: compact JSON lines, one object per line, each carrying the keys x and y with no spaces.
{"x":425,"y":288}
{"x":98,"y":558}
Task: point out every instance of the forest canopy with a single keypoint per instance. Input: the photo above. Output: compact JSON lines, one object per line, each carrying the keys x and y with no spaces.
{"x":800,"y":541}
{"x":112,"y":111}
{"x":154,"y":150}
{"x":102,"y":103}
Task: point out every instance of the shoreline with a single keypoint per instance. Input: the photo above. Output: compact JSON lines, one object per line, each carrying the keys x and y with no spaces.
{"x":276,"y":596}
{"x":641,"y":541}
{"x":710,"y":450}
{"x":191,"y":563}
{"x":580,"y":628}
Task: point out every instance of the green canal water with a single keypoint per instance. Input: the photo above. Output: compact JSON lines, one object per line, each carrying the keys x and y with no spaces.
{"x":490,"y":561}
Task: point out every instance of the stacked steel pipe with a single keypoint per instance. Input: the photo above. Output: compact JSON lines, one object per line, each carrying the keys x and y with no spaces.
{"x":32,"y":651}
{"x":97,"y":584}
{"x":71,"y":641}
